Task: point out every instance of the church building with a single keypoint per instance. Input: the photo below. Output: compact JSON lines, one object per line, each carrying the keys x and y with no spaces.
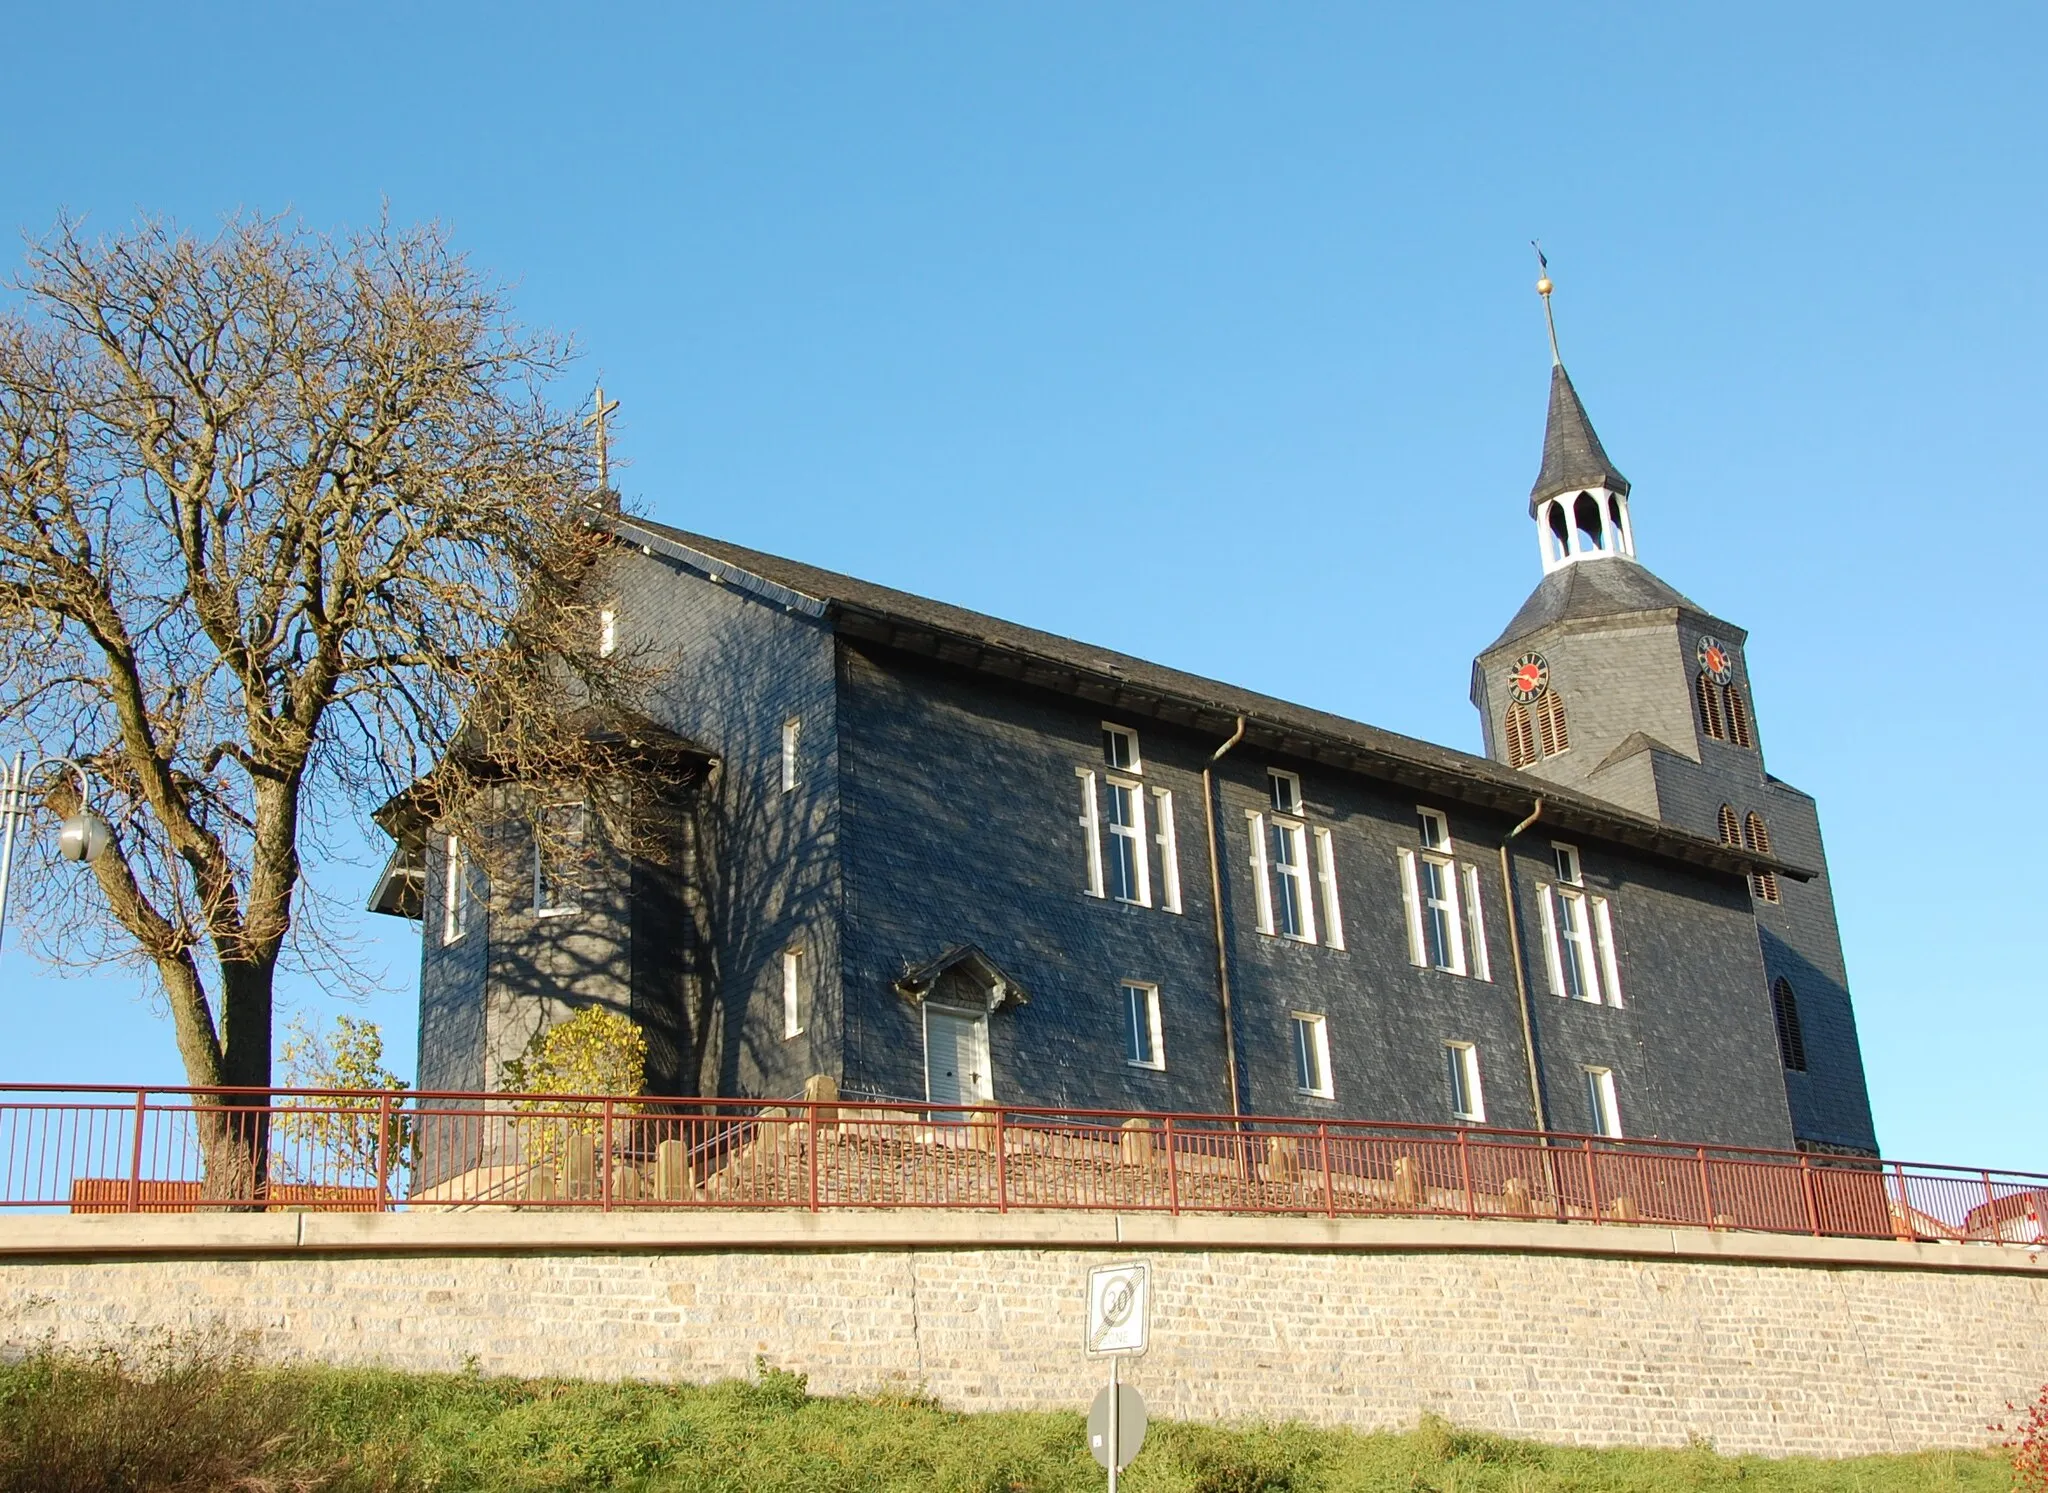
{"x":945,"y":859}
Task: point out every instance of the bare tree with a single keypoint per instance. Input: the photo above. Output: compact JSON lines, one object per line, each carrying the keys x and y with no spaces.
{"x":274,"y":508}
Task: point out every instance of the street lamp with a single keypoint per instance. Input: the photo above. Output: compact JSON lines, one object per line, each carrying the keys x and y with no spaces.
{"x":81,"y":837}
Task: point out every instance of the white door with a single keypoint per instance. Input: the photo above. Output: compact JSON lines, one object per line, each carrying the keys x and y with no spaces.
{"x":956,"y":1058}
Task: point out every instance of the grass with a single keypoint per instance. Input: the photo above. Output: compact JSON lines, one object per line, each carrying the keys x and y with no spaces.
{"x":197,"y":1417}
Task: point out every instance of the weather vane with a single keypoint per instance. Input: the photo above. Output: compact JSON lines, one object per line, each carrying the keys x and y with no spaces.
{"x":1544,"y":288}
{"x":596,"y":421}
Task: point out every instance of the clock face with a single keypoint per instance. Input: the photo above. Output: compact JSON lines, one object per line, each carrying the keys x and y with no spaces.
{"x":1716,"y":662}
{"x":1529,"y":678}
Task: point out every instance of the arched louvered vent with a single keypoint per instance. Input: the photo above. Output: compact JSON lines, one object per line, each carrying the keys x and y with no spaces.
{"x":1521,"y":735}
{"x":1738,"y":716}
{"x":1731,"y":830}
{"x":1551,"y":727}
{"x":1763,"y":883}
{"x":1791,"y":1040}
{"x":1710,"y":708}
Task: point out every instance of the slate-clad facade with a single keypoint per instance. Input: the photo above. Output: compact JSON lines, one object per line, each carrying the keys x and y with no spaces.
{"x":913,"y":849}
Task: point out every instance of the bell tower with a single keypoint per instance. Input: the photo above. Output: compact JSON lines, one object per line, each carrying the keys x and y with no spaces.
{"x":1611,"y":682}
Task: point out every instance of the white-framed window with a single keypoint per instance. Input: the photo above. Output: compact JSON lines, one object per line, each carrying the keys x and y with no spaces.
{"x":1280,"y":874}
{"x":558,"y":857}
{"x":1284,"y":789}
{"x":1312,"y":1055}
{"x":1601,"y":1107}
{"x":458,"y":890}
{"x":1446,"y":925}
{"x":1120,"y":749}
{"x":607,"y":632}
{"x":1169,"y":849}
{"x":792,"y":752}
{"x":792,"y":993}
{"x":1127,"y":864}
{"x":1578,"y":936}
{"x":1144,"y":1039}
{"x":1468,"y":1101}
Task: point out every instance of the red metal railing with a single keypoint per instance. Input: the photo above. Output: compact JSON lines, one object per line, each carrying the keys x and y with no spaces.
{"x":120,"y":1150}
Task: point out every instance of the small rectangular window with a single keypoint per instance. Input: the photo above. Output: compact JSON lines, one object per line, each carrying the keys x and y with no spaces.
{"x":1436,"y":830}
{"x":1467,"y":1102}
{"x":1120,"y":748}
{"x":1144,"y":1042}
{"x":792,"y":745}
{"x":457,"y":895}
{"x":1285,"y":788}
{"x":1604,"y":1112}
{"x":1567,"y":865}
{"x":558,"y":859}
{"x":1312,"y":1055}
{"x":1169,"y":850}
{"x":607,"y":632}
{"x":792,"y":992}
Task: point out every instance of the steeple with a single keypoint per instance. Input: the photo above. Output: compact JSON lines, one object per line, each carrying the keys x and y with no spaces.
{"x":1579,"y":502}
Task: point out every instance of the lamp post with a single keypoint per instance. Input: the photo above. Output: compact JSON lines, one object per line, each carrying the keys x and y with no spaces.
{"x":81,"y":837}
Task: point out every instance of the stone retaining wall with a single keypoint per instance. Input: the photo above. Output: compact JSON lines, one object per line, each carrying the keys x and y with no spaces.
{"x":1636,"y":1336}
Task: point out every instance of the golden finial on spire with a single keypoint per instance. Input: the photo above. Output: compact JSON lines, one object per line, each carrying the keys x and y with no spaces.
{"x":1544,"y":288}
{"x":596,"y":421}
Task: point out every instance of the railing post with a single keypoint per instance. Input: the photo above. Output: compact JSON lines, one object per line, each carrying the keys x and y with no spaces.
{"x":1465,"y":1173}
{"x":604,"y":1162}
{"x":1002,"y":1165}
{"x":1592,"y":1183}
{"x":1172,"y":1171}
{"x":1706,"y":1189}
{"x":1329,"y":1177}
{"x":811,"y":1147}
{"x":384,"y":1152}
{"x":1990,"y":1212}
{"x":1806,"y":1186}
{"x":135,"y":1156}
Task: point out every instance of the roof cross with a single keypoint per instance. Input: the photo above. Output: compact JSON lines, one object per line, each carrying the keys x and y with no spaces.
{"x":596,"y":421}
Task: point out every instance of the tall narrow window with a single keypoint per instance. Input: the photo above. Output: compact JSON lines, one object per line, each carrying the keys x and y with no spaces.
{"x":792,"y":992}
{"x":792,"y":747}
{"x":458,"y":896}
{"x":1461,"y":1059}
{"x":1521,"y":734}
{"x":1091,"y":832}
{"x":1762,"y":884}
{"x":1475,"y":928}
{"x":1709,"y":698}
{"x":1326,"y":883}
{"x":1731,"y":834}
{"x":1312,"y":1055}
{"x":1129,"y":877}
{"x":1551,"y":727}
{"x":607,"y":632}
{"x":1292,"y":912}
{"x":1791,"y":1040}
{"x":1169,"y":850}
{"x":1602,"y":1109}
{"x":559,"y":850}
{"x":1737,"y":712}
{"x":1436,"y":932}
{"x":1144,"y":1042}
{"x":1578,"y":936}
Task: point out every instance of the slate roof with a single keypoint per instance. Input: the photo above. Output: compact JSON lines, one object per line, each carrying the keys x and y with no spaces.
{"x":1610,"y":586}
{"x":1115,"y":681}
{"x":1573,"y":457}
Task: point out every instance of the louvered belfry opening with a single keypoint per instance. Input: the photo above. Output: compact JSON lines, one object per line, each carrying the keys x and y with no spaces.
{"x":1550,"y":725}
{"x":1731,"y":829}
{"x":1754,"y":835}
{"x":1521,"y":736}
{"x":1791,"y":1040}
{"x":1710,"y":708}
{"x":1738,"y":716}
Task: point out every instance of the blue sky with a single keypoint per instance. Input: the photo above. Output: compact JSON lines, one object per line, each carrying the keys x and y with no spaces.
{"x":1206,"y":332}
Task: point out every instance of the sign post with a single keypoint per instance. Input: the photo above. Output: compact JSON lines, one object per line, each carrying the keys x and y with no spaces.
{"x":1119,"y":1309}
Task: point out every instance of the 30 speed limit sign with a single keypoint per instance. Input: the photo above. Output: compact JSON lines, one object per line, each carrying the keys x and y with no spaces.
{"x":1119,"y":1301}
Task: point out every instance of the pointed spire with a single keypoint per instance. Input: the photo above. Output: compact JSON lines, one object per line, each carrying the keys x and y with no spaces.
{"x":1572,"y":455}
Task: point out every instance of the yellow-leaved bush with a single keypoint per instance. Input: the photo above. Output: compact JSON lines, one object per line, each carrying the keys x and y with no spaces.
{"x":595,"y":1052}
{"x":334,"y":1138}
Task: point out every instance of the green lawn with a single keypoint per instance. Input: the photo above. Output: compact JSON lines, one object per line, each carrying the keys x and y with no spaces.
{"x":193,"y":1418}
